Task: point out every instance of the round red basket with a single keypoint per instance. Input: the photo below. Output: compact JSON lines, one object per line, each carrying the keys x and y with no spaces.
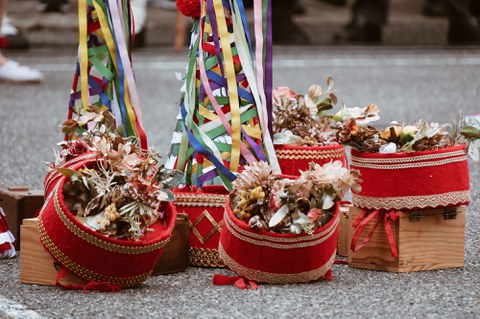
{"x":205,"y":210}
{"x":95,"y":257}
{"x":275,"y":258}
{"x":293,"y":159}
{"x":412,"y":180}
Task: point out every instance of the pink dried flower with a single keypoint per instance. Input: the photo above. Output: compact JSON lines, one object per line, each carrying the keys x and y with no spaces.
{"x":314,"y":215}
{"x":77,"y":147}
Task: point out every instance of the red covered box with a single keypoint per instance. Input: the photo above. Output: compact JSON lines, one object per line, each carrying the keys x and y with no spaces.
{"x":412,"y":180}
{"x":99,"y":259}
{"x":293,"y":159}
{"x":205,"y":210}
{"x":276,"y":258}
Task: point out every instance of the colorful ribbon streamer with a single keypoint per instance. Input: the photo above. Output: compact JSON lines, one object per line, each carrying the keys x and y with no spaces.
{"x":224,"y":109}
{"x":104,"y":75}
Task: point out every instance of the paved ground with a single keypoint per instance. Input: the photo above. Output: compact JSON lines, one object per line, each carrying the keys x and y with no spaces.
{"x":429,"y":81}
{"x":408,"y":84}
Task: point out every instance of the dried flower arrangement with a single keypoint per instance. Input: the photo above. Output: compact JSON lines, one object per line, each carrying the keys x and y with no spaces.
{"x":290,"y":205}
{"x":299,"y":119}
{"x":353,"y":130}
{"x":122,"y":195}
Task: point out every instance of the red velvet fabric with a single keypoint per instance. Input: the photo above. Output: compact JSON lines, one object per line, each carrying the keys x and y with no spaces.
{"x":432,"y":177}
{"x":293,"y":166}
{"x":204,"y":226}
{"x":75,"y":163}
{"x":97,"y":259}
{"x":275,"y":260}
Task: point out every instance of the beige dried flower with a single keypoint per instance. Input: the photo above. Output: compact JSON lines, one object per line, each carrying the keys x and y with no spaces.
{"x":253,"y":176}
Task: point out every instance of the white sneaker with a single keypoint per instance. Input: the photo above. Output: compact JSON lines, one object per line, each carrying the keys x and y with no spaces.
{"x":14,"y":72}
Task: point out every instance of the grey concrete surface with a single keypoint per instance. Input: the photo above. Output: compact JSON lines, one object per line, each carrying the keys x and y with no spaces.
{"x":408,"y":84}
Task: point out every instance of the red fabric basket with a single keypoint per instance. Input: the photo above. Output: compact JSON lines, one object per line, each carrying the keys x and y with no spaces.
{"x":93,"y":256}
{"x":275,"y":258}
{"x":293,"y":159}
{"x":205,"y":210}
{"x":413,"y":180}
{"x":73,"y":163}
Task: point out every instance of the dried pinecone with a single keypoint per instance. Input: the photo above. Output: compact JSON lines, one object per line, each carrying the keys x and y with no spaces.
{"x":435,"y":142}
{"x":364,"y":138}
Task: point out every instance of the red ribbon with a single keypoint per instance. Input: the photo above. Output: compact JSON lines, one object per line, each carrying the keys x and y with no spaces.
{"x":241,"y":282}
{"x":365,"y":218}
{"x":91,"y":285}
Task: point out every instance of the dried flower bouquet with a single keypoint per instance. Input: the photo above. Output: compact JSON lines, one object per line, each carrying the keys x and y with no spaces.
{"x":121,"y":195}
{"x":300,"y":119}
{"x":421,"y":136}
{"x":290,"y":205}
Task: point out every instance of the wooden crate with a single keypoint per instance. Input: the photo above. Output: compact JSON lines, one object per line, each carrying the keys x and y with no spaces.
{"x":343,"y":230}
{"x":175,"y":256}
{"x":36,"y":264}
{"x":38,"y":267}
{"x":425,"y":240}
{"x":19,"y":203}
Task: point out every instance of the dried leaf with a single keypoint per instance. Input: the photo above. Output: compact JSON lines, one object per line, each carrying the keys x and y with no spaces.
{"x":470,"y":132}
{"x":66,"y":171}
{"x":278,"y":216}
{"x":330,"y":83}
{"x":333,"y":97}
{"x":327,"y":201}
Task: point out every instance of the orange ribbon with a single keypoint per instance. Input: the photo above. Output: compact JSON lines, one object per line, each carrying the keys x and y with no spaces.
{"x":365,"y":218}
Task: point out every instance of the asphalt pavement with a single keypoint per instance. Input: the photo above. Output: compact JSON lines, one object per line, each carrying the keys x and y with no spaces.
{"x":408,"y":82}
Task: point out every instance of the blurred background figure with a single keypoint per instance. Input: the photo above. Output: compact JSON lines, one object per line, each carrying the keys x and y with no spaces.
{"x":11,"y":37}
{"x":139,"y":10}
{"x":164,"y":4}
{"x":10,"y":70}
{"x":339,"y":3}
{"x":285,"y":30}
{"x":434,"y":8}
{"x":369,"y":16}
{"x":53,"y":6}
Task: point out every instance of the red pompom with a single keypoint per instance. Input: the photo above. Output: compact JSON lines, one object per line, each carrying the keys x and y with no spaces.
{"x":189,"y":8}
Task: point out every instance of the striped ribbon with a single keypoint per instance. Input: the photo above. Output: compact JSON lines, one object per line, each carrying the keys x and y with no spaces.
{"x":104,"y":74}
{"x":224,"y":109}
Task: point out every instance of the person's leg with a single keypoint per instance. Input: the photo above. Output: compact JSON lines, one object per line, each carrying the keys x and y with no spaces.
{"x":285,"y":30}
{"x":374,"y":12}
{"x":139,"y":11}
{"x":368,"y":17}
{"x":463,"y":26}
{"x":434,"y":8}
{"x":11,"y":70}
{"x":3,"y":9}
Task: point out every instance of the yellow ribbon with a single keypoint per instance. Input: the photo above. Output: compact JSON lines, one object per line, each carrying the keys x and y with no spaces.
{"x":82,"y":40}
{"x":232,"y":84}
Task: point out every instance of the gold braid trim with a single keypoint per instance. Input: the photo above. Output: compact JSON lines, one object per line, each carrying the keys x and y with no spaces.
{"x":392,"y":165}
{"x":394,"y":160}
{"x":82,"y":271}
{"x":204,"y":257}
{"x":410,"y":202}
{"x":120,"y":249}
{"x":308,"y":153}
{"x":282,"y":243}
{"x":274,"y":278}
{"x":195,"y":200}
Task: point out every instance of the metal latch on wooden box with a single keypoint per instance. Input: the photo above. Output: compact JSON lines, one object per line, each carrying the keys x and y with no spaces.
{"x":448,"y":213}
